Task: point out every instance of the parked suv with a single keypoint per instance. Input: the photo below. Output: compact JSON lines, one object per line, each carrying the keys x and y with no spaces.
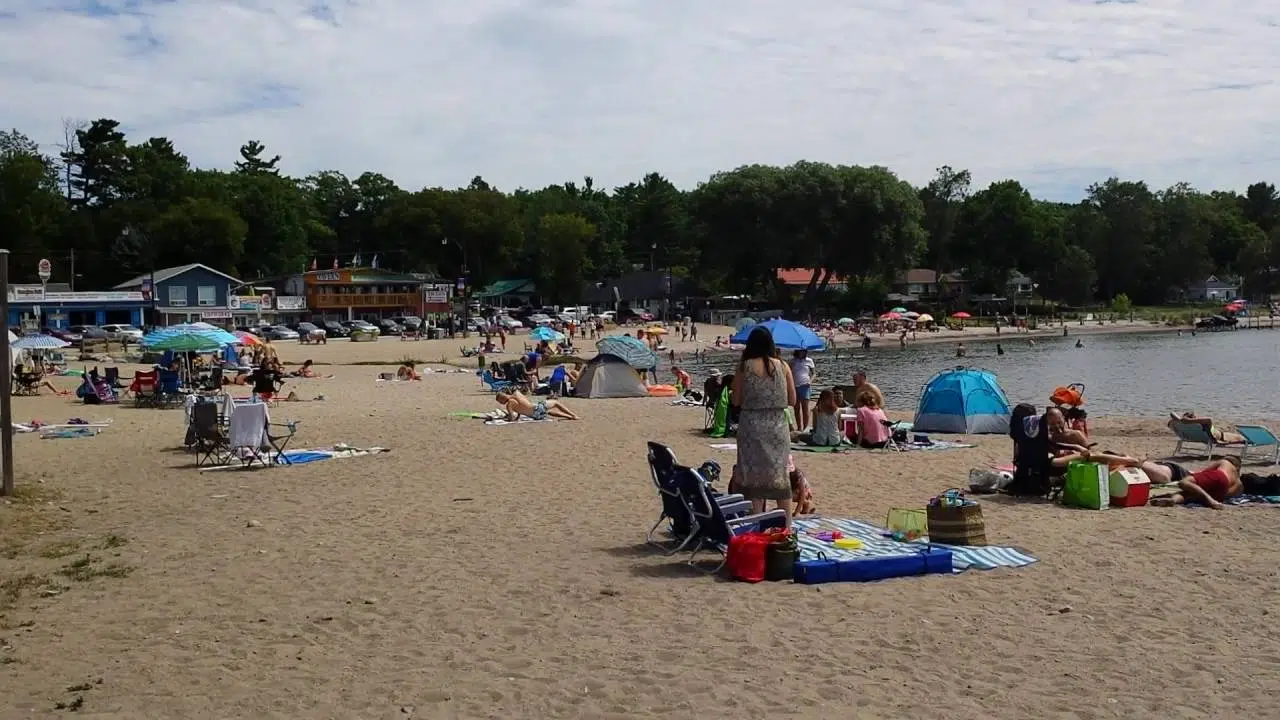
{"x":122,"y":333}
{"x":334,"y":329}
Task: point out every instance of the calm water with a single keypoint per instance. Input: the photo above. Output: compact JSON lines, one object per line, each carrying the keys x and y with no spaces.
{"x":1231,"y":374}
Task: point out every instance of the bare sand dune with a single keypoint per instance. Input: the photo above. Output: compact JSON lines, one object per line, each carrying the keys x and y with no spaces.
{"x":499,"y":572}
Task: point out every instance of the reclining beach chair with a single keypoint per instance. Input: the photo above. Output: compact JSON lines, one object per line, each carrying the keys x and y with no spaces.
{"x":710,"y":396}
{"x":208,"y":441}
{"x":1260,"y":438}
{"x":494,"y":384}
{"x":715,"y":523}
{"x":891,"y":445}
{"x":1033,"y":472}
{"x":279,"y":442}
{"x":1195,"y":438}
{"x":248,"y":434}
{"x":675,"y":511}
{"x":112,"y":376}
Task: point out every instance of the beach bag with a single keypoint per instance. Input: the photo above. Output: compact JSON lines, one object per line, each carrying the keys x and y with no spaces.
{"x":1088,"y":486}
{"x":746,"y":556}
{"x":781,"y":555}
{"x":954,"y":520}
{"x":906,"y":525}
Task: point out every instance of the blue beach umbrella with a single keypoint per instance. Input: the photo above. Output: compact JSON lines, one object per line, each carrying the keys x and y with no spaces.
{"x":542,"y":333}
{"x":186,"y":342}
{"x":219,"y":337}
{"x":38,"y":342}
{"x":786,"y":334}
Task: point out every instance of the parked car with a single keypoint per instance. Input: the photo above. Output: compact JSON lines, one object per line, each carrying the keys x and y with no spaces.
{"x":121,"y":333}
{"x":306,"y":328}
{"x":251,"y":329}
{"x":509,"y":323}
{"x":389,"y":327}
{"x":361,"y":325}
{"x":63,"y":335}
{"x":536,"y":319}
{"x":335,"y":329}
{"x":408,"y":322}
{"x":90,"y":332}
{"x":279,"y":332}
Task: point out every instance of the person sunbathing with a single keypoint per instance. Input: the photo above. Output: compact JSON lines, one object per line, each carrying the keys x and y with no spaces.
{"x":1219,"y":434}
{"x":1211,"y":486}
{"x":407,"y":372}
{"x":305,"y":371}
{"x":517,"y":404}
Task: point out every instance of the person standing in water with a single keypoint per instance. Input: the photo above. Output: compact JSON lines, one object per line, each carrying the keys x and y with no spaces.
{"x":960,"y":351}
{"x":999,"y":350}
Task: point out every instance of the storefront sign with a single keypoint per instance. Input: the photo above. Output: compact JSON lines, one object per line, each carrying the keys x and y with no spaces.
{"x":330,"y":276}
{"x":215,"y":315}
{"x":31,"y":294}
{"x":286,"y":303}
{"x":250,"y":303}
{"x":436,"y":293}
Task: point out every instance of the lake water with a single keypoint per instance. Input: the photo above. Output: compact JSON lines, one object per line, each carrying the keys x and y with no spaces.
{"x":1234,"y":375}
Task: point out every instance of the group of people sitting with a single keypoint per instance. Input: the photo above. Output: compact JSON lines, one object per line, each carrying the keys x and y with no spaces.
{"x":1045,"y":446}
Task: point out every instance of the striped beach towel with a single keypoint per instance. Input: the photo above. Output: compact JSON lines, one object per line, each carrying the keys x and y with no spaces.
{"x":876,"y":544}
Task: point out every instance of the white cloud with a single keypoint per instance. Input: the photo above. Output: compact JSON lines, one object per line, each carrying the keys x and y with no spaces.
{"x":1058,"y":93}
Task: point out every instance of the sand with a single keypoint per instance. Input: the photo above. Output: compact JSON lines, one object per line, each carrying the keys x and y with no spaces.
{"x":499,"y":572}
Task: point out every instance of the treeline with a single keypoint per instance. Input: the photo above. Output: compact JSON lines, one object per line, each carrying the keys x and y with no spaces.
{"x":126,"y":207}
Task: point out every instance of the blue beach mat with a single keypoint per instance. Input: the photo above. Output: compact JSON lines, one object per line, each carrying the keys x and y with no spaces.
{"x":876,"y":545}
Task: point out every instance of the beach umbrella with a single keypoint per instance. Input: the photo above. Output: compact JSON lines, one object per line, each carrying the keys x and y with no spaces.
{"x":656,"y":330}
{"x":745,"y":322}
{"x":220,"y":337}
{"x":186,"y":342}
{"x":38,"y":342}
{"x":924,"y":317}
{"x":786,"y":334}
{"x":846,"y":321}
{"x":543,"y":333}
{"x":962,"y":315}
{"x":632,"y":351}
{"x":898,"y":310}
{"x":247,"y":338}
{"x":911,"y":315}
{"x":891,"y":315}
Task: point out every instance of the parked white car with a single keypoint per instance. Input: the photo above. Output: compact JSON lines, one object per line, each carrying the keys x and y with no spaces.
{"x":122,"y":333}
{"x":509,"y":323}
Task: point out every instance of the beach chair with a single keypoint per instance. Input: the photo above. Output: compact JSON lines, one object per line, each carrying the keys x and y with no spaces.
{"x":1195,"y":438}
{"x":143,"y":388}
{"x":1033,"y":472}
{"x":214,"y":383}
{"x":892,"y":444}
{"x":279,"y":442}
{"x":112,"y":376}
{"x":681,"y":526}
{"x":248,"y":434}
{"x":1260,"y":438}
{"x":710,"y":396}
{"x":26,"y":383}
{"x":715,"y":523}
{"x":208,"y":440}
{"x":168,"y":388}
{"x":495,"y":384}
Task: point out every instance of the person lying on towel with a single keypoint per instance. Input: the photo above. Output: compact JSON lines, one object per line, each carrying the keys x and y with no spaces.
{"x":1217,"y":432}
{"x":1211,"y":486}
{"x":408,"y":371}
{"x":517,"y":406}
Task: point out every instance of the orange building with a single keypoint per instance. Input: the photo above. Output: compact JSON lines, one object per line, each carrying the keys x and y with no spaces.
{"x":357,"y":293}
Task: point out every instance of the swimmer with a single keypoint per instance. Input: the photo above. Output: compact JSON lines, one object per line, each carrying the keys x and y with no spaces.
{"x":1000,"y":350}
{"x":1079,"y":343}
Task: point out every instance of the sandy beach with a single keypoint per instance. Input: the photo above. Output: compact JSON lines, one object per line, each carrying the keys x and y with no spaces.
{"x":499,"y":572}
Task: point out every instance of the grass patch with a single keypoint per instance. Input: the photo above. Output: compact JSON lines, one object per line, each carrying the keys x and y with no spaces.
{"x":13,"y":588}
{"x":61,"y":548}
{"x":90,"y":567}
{"x":113,"y":541}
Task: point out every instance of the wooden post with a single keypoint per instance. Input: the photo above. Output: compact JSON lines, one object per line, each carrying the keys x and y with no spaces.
{"x":6,"y":382}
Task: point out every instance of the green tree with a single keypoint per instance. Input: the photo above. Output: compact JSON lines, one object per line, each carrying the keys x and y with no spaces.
{"x":998,"y":232}
{"x":563,"y":266}
{"x":252,"y":163}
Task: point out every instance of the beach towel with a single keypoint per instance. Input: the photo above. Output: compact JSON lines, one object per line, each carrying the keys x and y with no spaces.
{"x":249,"y":426}
{"x":801,"y":447}
{"x":303,"y":457}
{"x":523,"y":419}
{"x":797,"y":447}
{"x":876,"y":544}
{"x":63,"y":432}
{"x":686,"y":402}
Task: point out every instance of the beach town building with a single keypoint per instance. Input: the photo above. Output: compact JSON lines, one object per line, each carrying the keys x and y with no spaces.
{"x":55,"y":305}
{"x":356,"y":293}
{"x":197,"y":292}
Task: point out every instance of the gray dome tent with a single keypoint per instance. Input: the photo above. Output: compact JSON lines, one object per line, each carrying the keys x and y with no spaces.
{"x":609,"y":376}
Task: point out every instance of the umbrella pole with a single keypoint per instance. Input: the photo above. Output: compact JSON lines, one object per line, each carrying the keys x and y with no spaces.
{"x":6,"y":409}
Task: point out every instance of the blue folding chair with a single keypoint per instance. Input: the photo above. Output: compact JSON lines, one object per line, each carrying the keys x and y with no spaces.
{"x":681,"y":525}
{"x":715,"y":523}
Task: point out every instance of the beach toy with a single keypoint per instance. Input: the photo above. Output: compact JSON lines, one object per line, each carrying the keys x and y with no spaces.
{"x":826,"y":535}
{"x":848,"y":543}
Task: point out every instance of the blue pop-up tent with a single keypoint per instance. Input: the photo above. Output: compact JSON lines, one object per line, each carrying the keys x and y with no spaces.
{"x":963,"y":400}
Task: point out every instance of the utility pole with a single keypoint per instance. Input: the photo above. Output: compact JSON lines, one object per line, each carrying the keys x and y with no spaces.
{"x":6,"y":381}
{"x":72,"y":279}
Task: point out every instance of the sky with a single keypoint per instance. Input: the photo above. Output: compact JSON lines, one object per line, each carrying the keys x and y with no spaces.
{"x":1055,"y":93}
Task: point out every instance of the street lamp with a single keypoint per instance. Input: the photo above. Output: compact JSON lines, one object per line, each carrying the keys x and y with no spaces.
{"x":466,"y":285}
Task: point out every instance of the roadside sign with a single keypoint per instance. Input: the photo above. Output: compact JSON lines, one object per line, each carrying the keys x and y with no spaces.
{"x":45,"y":270}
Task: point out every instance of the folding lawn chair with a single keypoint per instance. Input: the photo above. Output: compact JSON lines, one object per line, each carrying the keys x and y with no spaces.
{"x":714,"y":523}
{"x":1195,"y":434}
{"x":495,"y":385}
{"x":168,"y":389}
{"x":710,"y":398}
{"x":675,"y":512}
{"x":1260,"y":438}
{"x":26,"y":383}
{"x":112,"y":376}
{"x":248,"y":433}
{"x":891,"y":445}
{"x":279,"y":442}
{"x":144,"y":388}
{"x":209,"y":442}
